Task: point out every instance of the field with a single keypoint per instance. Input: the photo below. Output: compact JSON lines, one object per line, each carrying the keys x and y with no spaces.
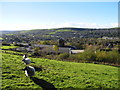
{"x":57,"y":74}
{"x":8,"y":47}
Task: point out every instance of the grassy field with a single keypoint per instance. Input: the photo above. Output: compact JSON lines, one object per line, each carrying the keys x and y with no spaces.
{"x":8,"y":47}
{"x":56,"y":74}
{"x":66,"y":30}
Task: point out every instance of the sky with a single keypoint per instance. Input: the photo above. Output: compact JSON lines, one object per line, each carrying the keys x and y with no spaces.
{"x":45,"y":15}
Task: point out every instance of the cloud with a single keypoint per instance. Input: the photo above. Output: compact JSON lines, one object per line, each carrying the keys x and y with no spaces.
{"x":88,"y":25}
{"x":114,"y":24}
{"x":54,"y":25}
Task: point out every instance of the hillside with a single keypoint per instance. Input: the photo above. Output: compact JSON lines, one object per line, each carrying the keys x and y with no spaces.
{"x":56,"y":74}
{"x":53,"y":34}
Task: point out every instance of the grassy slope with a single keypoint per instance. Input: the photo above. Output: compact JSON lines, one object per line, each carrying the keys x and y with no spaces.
{"x":65,"y":30}
{"x":58,"y":73}
{"x":8,"y":47}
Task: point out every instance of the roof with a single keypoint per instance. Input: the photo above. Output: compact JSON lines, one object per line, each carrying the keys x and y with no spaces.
{"x":43,"y":45}
{"x":77,"y":51}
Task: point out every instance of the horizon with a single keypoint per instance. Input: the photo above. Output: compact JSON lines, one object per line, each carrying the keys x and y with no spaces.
{"x":59,"y":28}
{"x":47,"y":15}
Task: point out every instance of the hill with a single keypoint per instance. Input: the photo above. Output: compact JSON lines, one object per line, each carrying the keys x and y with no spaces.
{"x":69,"y":34}
{"x":56,"y":74}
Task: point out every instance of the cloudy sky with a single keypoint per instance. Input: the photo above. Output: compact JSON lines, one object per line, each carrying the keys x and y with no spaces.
{"x":39,"y":15}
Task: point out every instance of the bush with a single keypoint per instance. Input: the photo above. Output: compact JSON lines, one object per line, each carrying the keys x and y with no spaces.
{"x":6,"y":44}
{"x":99,"y":56}
{"x":85,"y":56}
{"x":110,"y":57}
{"x":114,"y":57}
{"x":63,"y":56}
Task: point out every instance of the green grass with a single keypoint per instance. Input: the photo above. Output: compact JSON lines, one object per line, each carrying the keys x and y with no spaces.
{"x":9,"y":34}
{"x":52,"y":32}
{"x":59,"y":73}
{"x":13,"y":52}
{"x":1,"y":38}
{"x":65,"y":30}
{"x":8,"y":47}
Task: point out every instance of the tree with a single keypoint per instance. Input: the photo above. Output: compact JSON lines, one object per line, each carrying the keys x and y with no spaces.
{"x":61,"y":42}
{"x":56,"y":48}
{"x":37,"y":51}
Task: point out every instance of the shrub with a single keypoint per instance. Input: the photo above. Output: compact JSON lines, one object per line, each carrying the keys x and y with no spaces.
{"x":113,"y":57}
{"x":110,"y":57}
{"x":85,"y":56}
{"x":101,"y":56}
{"x":63,"y":56}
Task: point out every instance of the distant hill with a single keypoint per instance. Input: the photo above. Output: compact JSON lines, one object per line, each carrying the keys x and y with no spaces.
{"x":62,"y":29}
{"x":57,"y":33}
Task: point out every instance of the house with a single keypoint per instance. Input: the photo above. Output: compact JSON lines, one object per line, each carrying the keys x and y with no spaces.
{"x":50,"y":49}
{"x":28,"y":49}
{"x":22,"y":44}
{"x":111,"y":38}
{"x":64,"y":49}
{"x":76,"y":51}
